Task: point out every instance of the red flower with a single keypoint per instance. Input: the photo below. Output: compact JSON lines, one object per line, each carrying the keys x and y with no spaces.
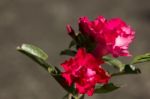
{"x":84,"y":71}
{"x":112,"y":36}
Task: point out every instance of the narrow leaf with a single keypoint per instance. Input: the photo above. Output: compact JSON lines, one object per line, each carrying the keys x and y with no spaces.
{"x":66,"y":96}
{"x":141,"y":58}
{"x":68,"y":52}
{"x":38,"y":55}
{"x":128,"y":69}
{"x":106,"y":88}
{"x":64,"y":84}
{"x":33,"y":50}
{"x":114,"y":62}
{"x":72,"y":43}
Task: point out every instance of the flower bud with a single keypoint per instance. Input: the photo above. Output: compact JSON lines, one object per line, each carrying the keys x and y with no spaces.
{"x":70,"y":31}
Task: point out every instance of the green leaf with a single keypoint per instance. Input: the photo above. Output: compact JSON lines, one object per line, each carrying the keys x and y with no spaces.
{"x":128,"y":69}
{"x":72,"y":43}
{"x":141,"y":58}
{"x":114,"y":62}
{"x":33,"y":50}
{"x":68,"y":52}
{"x":38,"y":55}
{"x":64,"y":84}
{"x":106,"y":88}
{"x":66,"y":96}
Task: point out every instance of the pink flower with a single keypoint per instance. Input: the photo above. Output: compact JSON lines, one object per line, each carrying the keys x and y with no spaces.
{"x":111,"y":36}
{"x":85,"y":72}
{"x":91,"y":28}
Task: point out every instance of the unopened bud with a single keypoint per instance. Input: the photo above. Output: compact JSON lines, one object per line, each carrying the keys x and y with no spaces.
{"x":70,"y":31}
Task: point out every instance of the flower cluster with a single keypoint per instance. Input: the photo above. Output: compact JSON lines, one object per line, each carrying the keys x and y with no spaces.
{"x":108,"y":37}
{"x":111,"y":36}
{"x":97,"y":44}
{"x":85,"y":71}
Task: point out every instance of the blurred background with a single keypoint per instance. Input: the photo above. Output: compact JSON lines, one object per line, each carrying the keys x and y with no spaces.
{"x":42,"y":23}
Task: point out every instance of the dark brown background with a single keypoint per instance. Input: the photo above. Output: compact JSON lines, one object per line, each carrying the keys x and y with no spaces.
{"x":42,"y":23}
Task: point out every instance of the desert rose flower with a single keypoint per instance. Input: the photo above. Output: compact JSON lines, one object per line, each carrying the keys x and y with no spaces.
{"x":85,"y":72}
{"x":111,"y":36}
